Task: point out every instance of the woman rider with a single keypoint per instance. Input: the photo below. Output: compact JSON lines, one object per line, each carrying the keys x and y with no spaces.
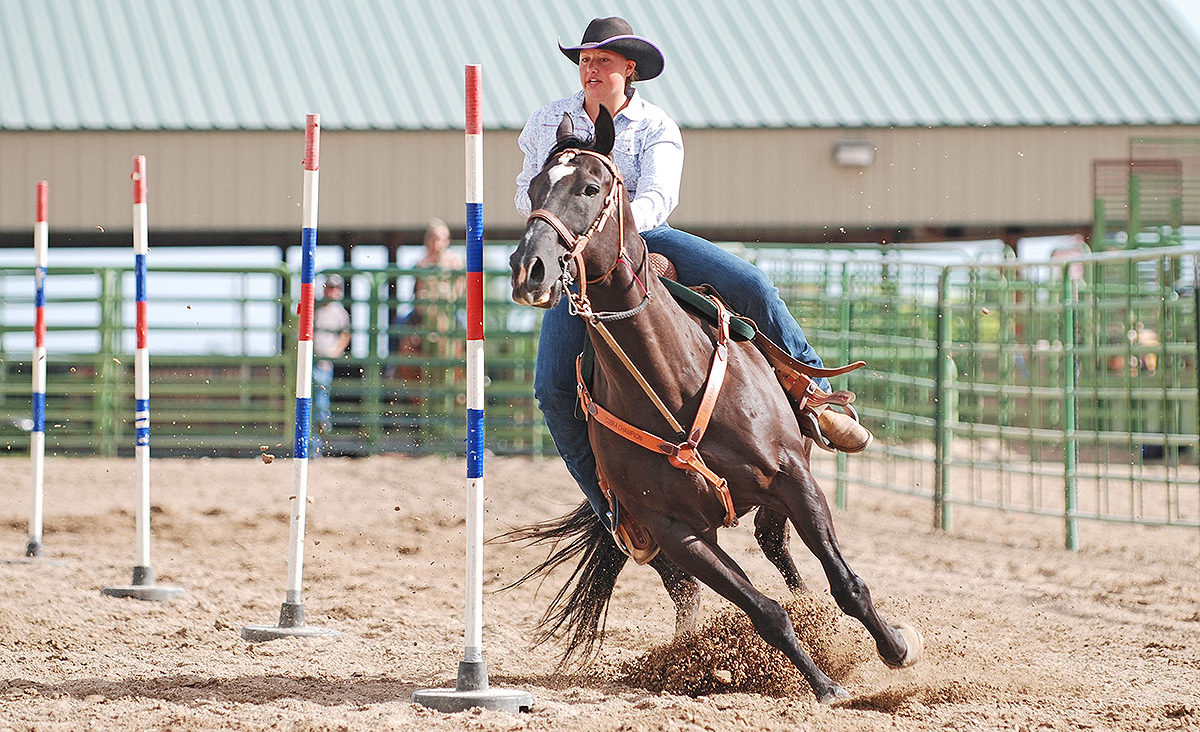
{"x":649,"y":153}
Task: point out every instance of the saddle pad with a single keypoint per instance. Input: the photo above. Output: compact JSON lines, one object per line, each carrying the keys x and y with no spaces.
{"x":740,"y":328}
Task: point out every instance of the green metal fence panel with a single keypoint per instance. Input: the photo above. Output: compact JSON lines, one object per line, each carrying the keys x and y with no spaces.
{"x":217,"y":373}
{"x":1065,"y":388}
{"x":402,"y":386}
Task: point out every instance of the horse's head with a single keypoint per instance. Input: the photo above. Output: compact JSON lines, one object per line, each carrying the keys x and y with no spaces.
{"x":574,"y":196}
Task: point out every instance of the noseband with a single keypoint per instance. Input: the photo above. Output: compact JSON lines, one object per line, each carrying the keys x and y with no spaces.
{"x":576,"y":243}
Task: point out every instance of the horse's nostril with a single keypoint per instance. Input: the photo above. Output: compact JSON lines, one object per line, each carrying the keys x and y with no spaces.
{"x":537,"y":272}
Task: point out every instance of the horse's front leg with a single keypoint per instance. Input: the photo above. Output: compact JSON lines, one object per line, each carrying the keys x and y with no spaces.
{"x":708,"y":563}
{"x":770,"y":529}
{"x":683,"y":590}
{"x":899,"y":645}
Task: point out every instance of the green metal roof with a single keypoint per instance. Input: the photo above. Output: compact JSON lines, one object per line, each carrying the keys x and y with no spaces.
{"x":398,"y":64}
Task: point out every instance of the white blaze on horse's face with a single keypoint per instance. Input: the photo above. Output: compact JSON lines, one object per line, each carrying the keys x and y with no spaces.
{"x":562,"y":169}
{"x":558,"y":172}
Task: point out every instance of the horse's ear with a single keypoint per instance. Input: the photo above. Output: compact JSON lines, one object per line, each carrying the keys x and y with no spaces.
{"x":605,"y":135}
{"x":566,"y":128}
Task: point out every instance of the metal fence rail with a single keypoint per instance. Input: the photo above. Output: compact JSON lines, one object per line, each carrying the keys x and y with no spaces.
{"x":1065,"y":388}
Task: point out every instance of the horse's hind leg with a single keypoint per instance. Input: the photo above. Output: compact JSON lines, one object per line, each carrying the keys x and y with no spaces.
{"x":770,"y":529}
{"x":898,"y":646}
{"x":683,"y":590}
{"x":711,"y":565}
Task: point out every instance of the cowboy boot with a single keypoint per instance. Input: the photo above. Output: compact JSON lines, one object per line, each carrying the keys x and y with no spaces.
{"x":843,"y":432}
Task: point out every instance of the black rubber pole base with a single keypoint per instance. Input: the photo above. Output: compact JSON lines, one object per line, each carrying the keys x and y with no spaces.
{"x":143,"y":588}
{"x":291,"y":625}
{"x":472,"y":691}
{"x":33,"y":555}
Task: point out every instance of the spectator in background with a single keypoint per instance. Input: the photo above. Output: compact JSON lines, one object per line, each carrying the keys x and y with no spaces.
{"x":435,"y":302}
{"x":435,"y":295}
{"x":331,"y":338}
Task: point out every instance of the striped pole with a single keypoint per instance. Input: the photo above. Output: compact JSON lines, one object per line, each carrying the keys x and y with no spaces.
{"x":473,"y":650}
{"x":472,"y":684}
{"x":304,"y":355}
{"x":141,"y":370}
{"x":291,"y":615}
{"x":143,"y":586}
{"x":37,"y":438}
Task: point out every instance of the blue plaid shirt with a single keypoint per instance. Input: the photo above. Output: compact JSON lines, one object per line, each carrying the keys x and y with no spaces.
{"x":648,"y":151}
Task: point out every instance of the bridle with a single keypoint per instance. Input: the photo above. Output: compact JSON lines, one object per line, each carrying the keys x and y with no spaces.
{"x":574,"y":245}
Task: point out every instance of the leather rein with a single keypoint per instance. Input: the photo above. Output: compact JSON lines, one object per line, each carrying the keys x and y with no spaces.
{"x":684,"y":454}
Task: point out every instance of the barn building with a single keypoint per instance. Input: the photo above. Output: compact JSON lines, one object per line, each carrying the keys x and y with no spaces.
{"x":804,"y":120}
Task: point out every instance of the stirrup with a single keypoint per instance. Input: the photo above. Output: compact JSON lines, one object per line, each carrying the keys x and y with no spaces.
{"x":630,"y":536}
{"x":809,"y":420}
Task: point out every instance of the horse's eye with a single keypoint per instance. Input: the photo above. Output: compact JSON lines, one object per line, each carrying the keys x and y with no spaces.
{"x":591,"y":189}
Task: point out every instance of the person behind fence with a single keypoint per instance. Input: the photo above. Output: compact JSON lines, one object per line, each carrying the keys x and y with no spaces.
{"x":331,"y":338}
{"x":435,"y":294}
{"x":649,"y":154}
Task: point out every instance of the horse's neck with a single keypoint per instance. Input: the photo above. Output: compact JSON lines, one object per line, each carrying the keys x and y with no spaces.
{"x":663,"y":342}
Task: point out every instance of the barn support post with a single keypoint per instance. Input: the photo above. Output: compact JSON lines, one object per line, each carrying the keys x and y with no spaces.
{"x":944,"y":415}
{"x":285,"y":299}
{"x":1099,"y":225}
{"x":373,"y":398}
{"x":112,"y":324}
{"x":1196,"y":323}
{"x":1135,"y":211}
{"x":1070,"y":294}
{"x":844,"y":315}
{"x":394,"y":240}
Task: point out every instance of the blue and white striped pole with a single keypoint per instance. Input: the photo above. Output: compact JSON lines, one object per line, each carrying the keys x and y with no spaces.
{"x":472,"y":685}
{"x":143,"y":586}
{"x":291,"y":615}
{"x":37,"y":438}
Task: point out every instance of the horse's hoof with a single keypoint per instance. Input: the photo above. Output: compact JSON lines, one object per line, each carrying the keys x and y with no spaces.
{"x":833,"y":695}
{"x":914,"y":646}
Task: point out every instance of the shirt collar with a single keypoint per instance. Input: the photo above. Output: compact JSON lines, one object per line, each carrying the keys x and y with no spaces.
{"x":636,"y":109}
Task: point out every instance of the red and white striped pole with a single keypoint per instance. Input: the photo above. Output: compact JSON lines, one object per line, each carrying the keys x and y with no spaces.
{"x":37,"y":437}
{"x":143,"y":586}
{"x":291,"y":615}
{"x":471,"y":689}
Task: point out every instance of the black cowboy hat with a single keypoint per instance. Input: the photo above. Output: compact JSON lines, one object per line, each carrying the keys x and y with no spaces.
{"x":616,"y":34}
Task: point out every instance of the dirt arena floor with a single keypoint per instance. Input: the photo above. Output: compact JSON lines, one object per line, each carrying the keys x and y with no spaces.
{"x":1020,"y":634}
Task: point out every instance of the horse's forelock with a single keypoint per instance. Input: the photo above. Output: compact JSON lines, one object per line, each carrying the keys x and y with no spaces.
{"x":569,"y":143}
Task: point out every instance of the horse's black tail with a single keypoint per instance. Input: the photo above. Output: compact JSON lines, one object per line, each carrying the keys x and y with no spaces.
{"x":580,"y":609}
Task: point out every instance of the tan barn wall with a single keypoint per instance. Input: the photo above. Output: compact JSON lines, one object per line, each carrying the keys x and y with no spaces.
{"x":734,"y":180}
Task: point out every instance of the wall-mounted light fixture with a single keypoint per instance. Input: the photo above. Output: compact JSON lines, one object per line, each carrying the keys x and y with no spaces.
{"x":854,"y":153}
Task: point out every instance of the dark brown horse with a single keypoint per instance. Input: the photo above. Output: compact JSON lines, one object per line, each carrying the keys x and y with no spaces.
{"x":750,"y":452}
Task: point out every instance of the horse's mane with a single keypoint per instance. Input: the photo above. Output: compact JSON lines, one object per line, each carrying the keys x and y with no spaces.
{"x":569,"y":143}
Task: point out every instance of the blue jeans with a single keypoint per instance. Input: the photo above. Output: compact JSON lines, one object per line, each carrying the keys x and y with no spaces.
{"x":745,"y":287}
{"x":322,"y":415}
